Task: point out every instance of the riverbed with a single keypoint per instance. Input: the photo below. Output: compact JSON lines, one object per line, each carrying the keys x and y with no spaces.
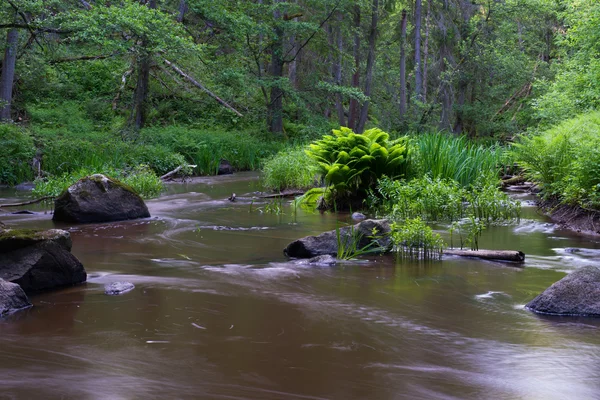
{"x":218,"y":312}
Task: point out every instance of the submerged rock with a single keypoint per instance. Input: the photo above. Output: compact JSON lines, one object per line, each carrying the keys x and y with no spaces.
{"x":225,"y":167}
{"x":358,"y":216}
{"x":370,"y":232}
{"x":576,"y":294}
{"x":322,"y":261}
{"x":12,"y":298}
{"x":39,"y":260}
{"x":97,"y":198}
{"x":117,"y":288}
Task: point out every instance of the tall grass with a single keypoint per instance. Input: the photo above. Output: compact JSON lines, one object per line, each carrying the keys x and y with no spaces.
{"x":16,"y":153}
{"x":447,"y":157}
{"x":290,"y":168}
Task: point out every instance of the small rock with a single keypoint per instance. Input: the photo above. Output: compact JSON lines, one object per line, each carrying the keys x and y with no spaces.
{"x":572,"y":250}
{"x":117,"y":288}
{"x":12,"y":298}
{"x":25,"y":186}
{"x":323,"y":261}
{"x":225,"y":167}
{"x":358,"y":216}
{"x":26,"y":212}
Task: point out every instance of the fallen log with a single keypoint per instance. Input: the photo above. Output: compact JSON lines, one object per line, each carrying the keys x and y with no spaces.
{"x":284,"y":194}
{"x":497,"y":255}
{"x":25,"y":203}
{"x":515,"y":180}
{"x":173,"y":174}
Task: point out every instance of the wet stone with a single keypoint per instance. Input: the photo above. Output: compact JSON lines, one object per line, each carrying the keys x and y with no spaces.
{"x":117,"y":288}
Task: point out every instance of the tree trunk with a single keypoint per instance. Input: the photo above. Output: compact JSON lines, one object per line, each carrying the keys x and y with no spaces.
{"x":182,"y":10}
{"x":8,"y":73}
{"x":143,"y":83}
{"x":339,"y":105}
{"x":426,"y":51}
{"x":275,"y":108}
{"x":418,"y":76}
{"x":403,"y":100}
{"x":364,"y":112}
{"x":354,"y":106}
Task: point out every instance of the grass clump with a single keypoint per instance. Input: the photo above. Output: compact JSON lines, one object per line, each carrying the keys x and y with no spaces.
{"x":141,"y":179}
{"x":458,"y":158}
{"x":17,"y":151}
{"x":565,"y":160}
{"x":413,"y":239}
{"x":291,"y":168}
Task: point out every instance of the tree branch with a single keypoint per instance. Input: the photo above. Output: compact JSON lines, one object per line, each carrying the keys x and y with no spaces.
{"x":201,"y":87}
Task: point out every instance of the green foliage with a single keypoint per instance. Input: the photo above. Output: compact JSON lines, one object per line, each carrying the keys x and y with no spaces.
{"x":141,"y":179}
{"x":448,"y":157}
{"x":17,"y":151}
{"x":413,"y":239}
{"x":351,"y":163}
{"x":205,"y":148}
{"x":565,"y":160}
{"x":348,"y":243}
{"x":290,"y":168}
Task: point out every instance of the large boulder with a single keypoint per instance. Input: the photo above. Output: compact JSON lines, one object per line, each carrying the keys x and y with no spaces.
{"x":39,"y":260}
{"x":97,"y":198}
{"x":12,"y":298}
{"x":576,"y":294}
{"x":370,"y":232}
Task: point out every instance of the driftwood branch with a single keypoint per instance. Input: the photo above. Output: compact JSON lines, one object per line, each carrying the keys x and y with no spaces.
{"x":284,"y":194}
{"x":172,"y":174}
{"x":82,"y":58}
{"x":25,"y":203}
{"x":123,"y":84}
{"x":497,"y":255}
{"x":201,"y":87}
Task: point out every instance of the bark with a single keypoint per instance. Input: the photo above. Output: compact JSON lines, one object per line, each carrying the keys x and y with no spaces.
{"x":275,"y":107}
{"x":354,"y":106}
{"x":403,"y":101}
{"x":182,"y":10}
{"x":339,"y":105}
{"x":364,"y":112}
{"x":418,"y":76}
{"x":293,"y":65}
{"x":8,"y":73}
{"x":499,"y":255}
{"x":426,"y":51}
{"x":143,"y":83}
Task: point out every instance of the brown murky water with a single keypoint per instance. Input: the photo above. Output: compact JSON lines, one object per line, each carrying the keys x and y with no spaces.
{"x":219,"y":313}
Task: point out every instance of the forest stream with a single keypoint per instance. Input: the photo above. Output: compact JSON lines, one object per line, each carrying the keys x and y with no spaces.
{"x":218,"y":312}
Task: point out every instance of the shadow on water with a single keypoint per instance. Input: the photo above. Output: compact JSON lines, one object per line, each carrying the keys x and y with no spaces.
{"x":219,"y":313}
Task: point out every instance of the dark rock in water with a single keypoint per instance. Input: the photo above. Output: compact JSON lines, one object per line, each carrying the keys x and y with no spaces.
{"x":572,"y":250}
{"x":327,"y":242}
{"x":26,"y":212}
{"x":97,"y":198}
{"x":25,"y":186}
{"x":12,"y":298}
{"x":576,"y":294}
{"x":225,"y":167}
{"x":117,"y":288}
{"x":358,"y":216}
{"x":323,"y":261}
{"x":39,"y":260}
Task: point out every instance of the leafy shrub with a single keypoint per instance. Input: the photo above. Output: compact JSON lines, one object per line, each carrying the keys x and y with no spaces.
{"x":17,"y":151}
{"x":290,"y":168}
{"x":352,"y":163}
{"x":565,"y":160}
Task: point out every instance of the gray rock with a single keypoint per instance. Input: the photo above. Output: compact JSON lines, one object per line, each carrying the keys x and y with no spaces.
{"x":322,"y":261}
{"x":576,"y":294}
{"x":12,"y":298}
{"x":358,"y":216}
{"x":25,"y":186}
{"x":39,"y":260}
{"x":327,"y":242}
{"x":117,"y":288}
{"x":97,"y":198}
{"x":225,"y":167}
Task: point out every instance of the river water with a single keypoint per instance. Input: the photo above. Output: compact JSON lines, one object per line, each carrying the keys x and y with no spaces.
{"x":219,"y":313}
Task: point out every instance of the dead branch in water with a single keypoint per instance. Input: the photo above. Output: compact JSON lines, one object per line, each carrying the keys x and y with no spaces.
{"x":25,"y":203}
{"x":497,"y":255}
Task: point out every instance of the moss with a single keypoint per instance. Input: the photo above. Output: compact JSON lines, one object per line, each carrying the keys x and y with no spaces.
{"x":19,"y":234}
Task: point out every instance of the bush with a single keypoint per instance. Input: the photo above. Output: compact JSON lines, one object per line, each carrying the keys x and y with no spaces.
{"x":565,"y":160}
{"x":17,"y":151}
{"x":290,"y":168}
{"x":352,"y":163}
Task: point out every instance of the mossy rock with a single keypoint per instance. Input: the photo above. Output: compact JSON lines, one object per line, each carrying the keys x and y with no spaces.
{"x":13,"y":239}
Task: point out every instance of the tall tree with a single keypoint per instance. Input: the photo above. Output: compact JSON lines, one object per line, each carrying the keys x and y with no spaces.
{"x":364,"y":112}
{"x":8,"y":73}
{"x":403,"y":97}
{"x":418,"y":70}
